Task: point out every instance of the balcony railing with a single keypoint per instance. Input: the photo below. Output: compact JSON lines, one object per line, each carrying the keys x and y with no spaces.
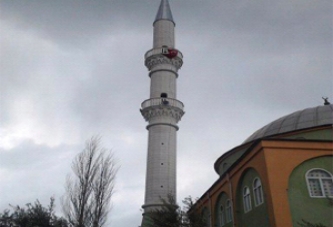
{"x":152,"y":52}
{"x":162,"y":101}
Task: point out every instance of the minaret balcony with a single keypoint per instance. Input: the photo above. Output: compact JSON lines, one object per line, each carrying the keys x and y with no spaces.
{"x":162,"y":51}
{"x":164,"y":55}
{"x":167,"y":102}
{"x":162,"y":111}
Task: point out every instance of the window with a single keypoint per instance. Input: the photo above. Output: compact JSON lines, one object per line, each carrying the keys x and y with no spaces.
{"x":247,"y":199}
{"x":164,"y":95}
{"x":229,"y":210}
{"x":320,"y":183}
{"x":222,"y":217}
{"x":165,"y":50}
{"x":257,"y":191}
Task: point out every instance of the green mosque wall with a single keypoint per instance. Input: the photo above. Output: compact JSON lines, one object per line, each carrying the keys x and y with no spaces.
{"x":258,"y":215}
{"x":304,"y":207}
{"x":326,"y":134}
{"x":222,"y":201}
{"x":227,"y":162}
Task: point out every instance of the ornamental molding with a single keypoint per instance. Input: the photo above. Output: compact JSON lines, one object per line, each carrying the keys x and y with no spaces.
{"x":164,"y":70}
{"x":162,"y":111}
{"x":158,"y":59}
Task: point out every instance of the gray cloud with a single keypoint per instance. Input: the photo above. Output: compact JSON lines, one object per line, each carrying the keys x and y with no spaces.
{"x":73,"y":69}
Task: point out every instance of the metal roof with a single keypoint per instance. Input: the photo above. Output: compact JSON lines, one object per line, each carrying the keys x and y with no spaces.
{"x":164,"y":12}
{"x":307,"y":118}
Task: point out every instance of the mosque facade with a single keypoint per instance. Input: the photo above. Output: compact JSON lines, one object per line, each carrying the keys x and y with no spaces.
{"x":281,"y":176}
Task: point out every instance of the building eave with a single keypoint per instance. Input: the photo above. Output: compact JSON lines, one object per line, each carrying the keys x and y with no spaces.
{"x":271,"y":137}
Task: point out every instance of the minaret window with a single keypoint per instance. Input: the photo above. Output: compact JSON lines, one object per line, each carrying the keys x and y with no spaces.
{"x":164,"y":95}
{"x":165,"y":50}
{"x":320,"y":183}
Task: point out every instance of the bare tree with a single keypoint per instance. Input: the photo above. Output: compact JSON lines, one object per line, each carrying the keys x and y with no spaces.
{"x":87,"y":201}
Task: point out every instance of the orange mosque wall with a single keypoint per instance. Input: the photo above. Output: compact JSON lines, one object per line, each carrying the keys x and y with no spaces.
{"x":281,"y":159}
{"x":274,"y":160}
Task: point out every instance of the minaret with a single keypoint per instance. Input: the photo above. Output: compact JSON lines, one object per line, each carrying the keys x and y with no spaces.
{"x":162,"y":111}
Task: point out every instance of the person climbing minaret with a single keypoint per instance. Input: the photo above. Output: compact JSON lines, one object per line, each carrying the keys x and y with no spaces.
{"x":162,"y":111}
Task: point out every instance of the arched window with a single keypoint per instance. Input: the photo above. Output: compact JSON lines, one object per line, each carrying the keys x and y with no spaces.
{"x":257,"y":191}
{"x":247,"y":199}
{"x":229,"y":210}
{"x":222,"y":217}
{"x":320,"y":183}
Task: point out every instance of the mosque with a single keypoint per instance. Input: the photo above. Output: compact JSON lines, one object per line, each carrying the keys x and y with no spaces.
{"x":280,"y":176}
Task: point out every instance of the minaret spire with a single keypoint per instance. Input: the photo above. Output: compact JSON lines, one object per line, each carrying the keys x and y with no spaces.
{"x":162,"y":111}
{"x":164,"y":12}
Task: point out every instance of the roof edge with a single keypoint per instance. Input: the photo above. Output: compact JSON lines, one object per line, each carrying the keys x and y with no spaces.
{"x":271,"y":137}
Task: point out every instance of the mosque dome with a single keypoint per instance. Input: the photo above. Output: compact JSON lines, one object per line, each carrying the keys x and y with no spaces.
{"x":302,"y":119}
{"x":292,"y":126}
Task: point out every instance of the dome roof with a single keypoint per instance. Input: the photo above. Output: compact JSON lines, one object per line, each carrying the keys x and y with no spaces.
{"x":307,"y":118}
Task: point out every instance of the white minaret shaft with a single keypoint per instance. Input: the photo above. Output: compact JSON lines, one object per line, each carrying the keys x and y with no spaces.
{"x":162,"y":111}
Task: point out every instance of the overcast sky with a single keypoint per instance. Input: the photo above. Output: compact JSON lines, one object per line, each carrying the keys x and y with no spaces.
{"x":71,"y":69}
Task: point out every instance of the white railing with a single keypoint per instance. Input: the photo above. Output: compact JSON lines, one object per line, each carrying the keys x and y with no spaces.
{"x":152,"y":52}
{"x":162,"y":101}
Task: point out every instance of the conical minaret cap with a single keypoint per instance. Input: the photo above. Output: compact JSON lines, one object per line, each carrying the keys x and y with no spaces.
{"x":164,"y":12}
